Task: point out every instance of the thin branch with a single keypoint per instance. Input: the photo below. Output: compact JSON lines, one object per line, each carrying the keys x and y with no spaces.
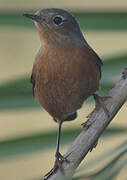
{"x":95,"y":125}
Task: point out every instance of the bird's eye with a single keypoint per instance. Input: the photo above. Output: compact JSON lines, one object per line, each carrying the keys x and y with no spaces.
{"x":57,"y":20}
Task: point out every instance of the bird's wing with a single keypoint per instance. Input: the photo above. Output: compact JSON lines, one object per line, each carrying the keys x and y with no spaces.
{"x":99,"y":62}
{"x":33,"y":82}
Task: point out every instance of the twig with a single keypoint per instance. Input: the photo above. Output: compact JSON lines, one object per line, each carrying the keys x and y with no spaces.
{"x":93,"y":128}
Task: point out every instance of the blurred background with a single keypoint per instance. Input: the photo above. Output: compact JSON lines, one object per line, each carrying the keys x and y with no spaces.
{"x":27,"y":133}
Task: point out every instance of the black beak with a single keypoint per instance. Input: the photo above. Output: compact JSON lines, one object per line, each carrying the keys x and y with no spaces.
{"x":33,"y":17}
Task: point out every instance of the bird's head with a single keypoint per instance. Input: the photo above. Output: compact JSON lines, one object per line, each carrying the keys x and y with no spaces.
{"x":60,"y":23}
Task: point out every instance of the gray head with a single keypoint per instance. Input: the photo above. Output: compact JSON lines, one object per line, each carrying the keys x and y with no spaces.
{"x":62,"y":23}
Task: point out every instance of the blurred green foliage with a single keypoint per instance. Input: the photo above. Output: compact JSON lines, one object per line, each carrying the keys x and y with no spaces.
{"x":17,"y":94}
{"x":33,"y":143}
{"x":111,"y":170}
{"x":88,"y":21}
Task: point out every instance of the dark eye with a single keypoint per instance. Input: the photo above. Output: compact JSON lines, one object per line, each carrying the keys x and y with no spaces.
{"x":57,"y":20}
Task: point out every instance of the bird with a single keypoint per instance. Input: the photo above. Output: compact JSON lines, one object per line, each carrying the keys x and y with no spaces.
{"x":66,"y":70}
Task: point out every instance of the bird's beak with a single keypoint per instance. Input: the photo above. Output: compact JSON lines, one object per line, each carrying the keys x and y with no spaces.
{"x":33,"y":17}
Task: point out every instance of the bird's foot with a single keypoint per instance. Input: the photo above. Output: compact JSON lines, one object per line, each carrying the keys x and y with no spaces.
{"x":124,"y":73}
{"x":52,"y":171}
{"x":99,"y":100}
{"x":57,"y":165}
{"x":60,"y":158}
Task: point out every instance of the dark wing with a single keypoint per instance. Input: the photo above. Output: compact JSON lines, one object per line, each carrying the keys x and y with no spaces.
{"x":99,"y":62}
{"x":32,"y":80}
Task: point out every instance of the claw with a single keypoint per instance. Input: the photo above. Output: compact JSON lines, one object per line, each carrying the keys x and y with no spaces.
{"x":60,"y":157}
{"x":57,"y":165}
{"x":52,"y":171}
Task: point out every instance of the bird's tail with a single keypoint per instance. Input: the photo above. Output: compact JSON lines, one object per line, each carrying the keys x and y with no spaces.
{"x":71,"y":117}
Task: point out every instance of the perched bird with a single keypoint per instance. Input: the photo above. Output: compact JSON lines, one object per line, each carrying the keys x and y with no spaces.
{"x":66,"y":69}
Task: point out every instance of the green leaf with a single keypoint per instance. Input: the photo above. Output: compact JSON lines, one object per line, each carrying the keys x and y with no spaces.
{"x":35,"y":143}
{"x":88,"y":20}
{"x":111,"y":169}
{"x":17,"y":94}
{"x":113,"y":68}
{"x":44,"y":141}
{"x":106,"y":155}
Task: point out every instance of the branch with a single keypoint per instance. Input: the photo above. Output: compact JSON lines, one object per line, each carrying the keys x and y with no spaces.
{"x":94,"y":126}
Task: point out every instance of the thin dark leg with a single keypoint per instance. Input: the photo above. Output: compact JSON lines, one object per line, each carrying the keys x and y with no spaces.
{"x":57,"y":155}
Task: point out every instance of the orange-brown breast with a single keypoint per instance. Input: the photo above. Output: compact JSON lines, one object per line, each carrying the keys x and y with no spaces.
{"x":64,"y":78}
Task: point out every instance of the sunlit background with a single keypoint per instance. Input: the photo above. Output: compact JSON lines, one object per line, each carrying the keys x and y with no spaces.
{"x":27,"y":133}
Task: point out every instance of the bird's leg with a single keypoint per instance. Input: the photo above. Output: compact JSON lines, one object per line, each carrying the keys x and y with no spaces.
{"x":58,"y":156}
{"x":100,"y":102}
